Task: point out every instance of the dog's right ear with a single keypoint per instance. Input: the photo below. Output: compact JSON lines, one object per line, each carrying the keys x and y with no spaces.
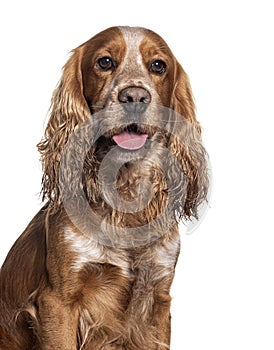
{"x":68,"y":109}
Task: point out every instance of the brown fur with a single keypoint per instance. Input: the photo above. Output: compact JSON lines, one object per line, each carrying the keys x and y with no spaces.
{"x":74,"y":281}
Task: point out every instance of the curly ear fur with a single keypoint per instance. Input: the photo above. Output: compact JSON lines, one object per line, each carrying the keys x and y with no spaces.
{"x":68,"y":108}
{"x":186,"y":145}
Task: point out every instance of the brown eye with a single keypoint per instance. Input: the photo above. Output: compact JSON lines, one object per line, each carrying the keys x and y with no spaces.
{"x":157,"y":67}
{"x":105,"y":63}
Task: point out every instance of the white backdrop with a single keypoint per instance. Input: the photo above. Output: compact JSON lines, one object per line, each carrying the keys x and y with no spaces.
{"x":223,"y":294}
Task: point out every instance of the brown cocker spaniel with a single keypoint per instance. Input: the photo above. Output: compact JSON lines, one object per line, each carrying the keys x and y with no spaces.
{"x":123,"y":163}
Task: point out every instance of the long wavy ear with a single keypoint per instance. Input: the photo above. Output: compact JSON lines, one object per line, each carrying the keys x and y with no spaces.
{"x":185,"y":144}
{"x":68,"y":109}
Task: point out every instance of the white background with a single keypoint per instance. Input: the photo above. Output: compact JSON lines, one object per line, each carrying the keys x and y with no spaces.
{"x":223,"y":292}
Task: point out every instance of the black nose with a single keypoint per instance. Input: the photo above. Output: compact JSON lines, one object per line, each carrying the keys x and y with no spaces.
{"x":134,"y":99}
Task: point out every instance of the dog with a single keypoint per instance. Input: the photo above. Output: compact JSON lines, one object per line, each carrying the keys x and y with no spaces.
{"x":123,"y":163}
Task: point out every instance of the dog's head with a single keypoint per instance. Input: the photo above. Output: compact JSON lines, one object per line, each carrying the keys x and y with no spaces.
{"x":124,"y":107}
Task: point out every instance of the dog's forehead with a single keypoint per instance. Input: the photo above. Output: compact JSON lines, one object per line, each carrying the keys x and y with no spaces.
{"x":116,"y":34}
{"x":133,"y":37}
{"x":130,"y":41}
{"x":144,"y":42}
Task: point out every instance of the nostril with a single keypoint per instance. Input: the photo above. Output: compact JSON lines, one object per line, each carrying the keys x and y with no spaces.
{"x":134,"y":99}
{"x":134,"y":94}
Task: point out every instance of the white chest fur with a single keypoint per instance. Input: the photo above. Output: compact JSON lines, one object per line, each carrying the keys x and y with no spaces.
{"x":162,"y":255}
{"x":88,"y":250}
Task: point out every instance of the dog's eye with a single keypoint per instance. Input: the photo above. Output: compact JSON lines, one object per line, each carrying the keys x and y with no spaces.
{"x":105,"y":63}
{"x":157,"y":67}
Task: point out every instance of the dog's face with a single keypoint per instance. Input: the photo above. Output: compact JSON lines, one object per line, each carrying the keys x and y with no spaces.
{"x":122,"y":58}
{"x":142,"y":129}
{"x":128,"y":73}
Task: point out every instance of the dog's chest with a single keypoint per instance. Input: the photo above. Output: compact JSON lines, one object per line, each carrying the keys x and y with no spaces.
{"x":86,"y":250}
{"x":116,"y":286}
{"x":159,"y":258}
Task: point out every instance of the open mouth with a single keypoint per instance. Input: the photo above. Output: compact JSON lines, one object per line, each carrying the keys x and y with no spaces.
{"x":131,"y":138}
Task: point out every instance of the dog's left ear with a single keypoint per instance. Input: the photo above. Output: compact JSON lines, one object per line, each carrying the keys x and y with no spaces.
{"x":183,"y":101}
{"x":68,"y":109}
{"x":185,"y":143}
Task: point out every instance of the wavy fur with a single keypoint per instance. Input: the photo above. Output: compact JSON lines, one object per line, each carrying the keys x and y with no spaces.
{"x":87,"y":274}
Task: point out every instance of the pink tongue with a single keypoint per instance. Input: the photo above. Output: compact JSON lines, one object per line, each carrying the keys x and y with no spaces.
{"x":130,"y":140}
